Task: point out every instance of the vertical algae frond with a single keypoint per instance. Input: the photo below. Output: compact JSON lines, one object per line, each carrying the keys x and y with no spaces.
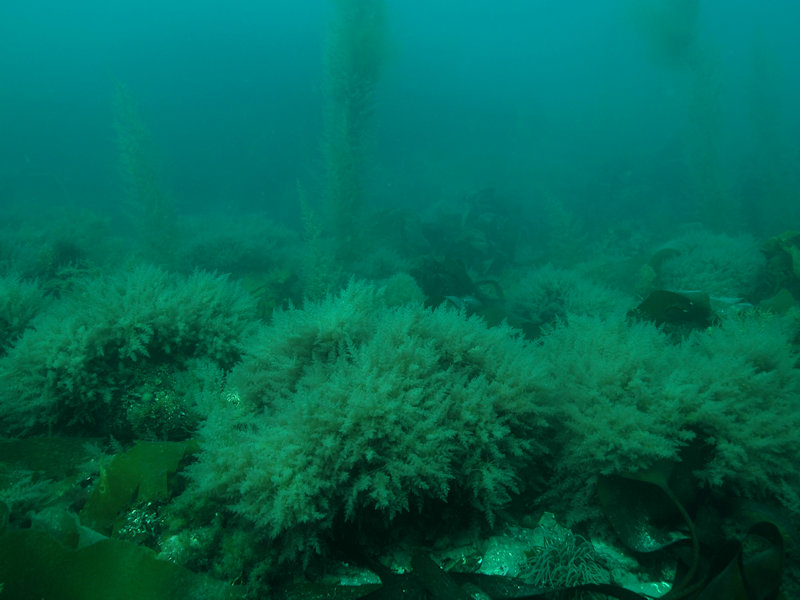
{"x":150,"y":211}
{"x":354,"y":58}
{"x":771,"y":173}
{"x":673,"y":31}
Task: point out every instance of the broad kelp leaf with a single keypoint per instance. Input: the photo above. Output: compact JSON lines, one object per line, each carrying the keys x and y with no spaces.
{"x":644,"y":509}
{"x":763,"y":554}
{"x":639,"y":511}
{"x":755,"y":570}
{"x":780,"y":303}
{"x":658,"y":511}
{"x":34,"y":566}
{"x":676,"y":309}
{"x":139,"y":475}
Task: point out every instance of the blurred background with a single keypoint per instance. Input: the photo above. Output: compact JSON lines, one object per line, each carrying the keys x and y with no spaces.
{"x":642,"y":110}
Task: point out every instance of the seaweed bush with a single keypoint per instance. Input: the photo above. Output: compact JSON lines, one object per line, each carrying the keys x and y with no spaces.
{"x":629,"y":397}
{"x":20,"y":302}
{"x":550,"y":293}
{"x":716,"y":263}
{"x":362,"y":410}
{"x":102,"y":347}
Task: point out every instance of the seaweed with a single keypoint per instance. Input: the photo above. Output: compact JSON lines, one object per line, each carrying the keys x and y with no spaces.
{"x":60,"y":558}
{"x":783,"y":265}
{"x":646,"y":506}
{"x":676,"y":312}
{"x":33,"y":565}
{"x":140,"y":475}
{"x":446,"y":281}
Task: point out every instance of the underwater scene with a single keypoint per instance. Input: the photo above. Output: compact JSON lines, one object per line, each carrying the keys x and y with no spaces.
{"x":393,"y":299}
